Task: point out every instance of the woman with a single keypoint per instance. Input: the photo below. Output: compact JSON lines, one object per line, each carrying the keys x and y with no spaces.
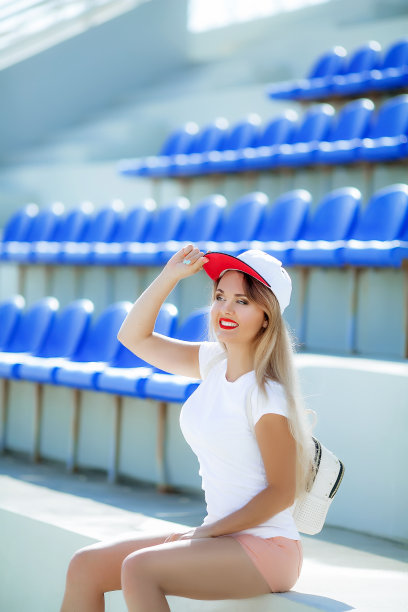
{"x":248,"y":544}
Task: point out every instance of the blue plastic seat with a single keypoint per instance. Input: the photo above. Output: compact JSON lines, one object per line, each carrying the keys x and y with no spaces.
{"x":29,"y":334}
{"x":358,"y":73}
{"x":241,"y":222}
{"x":133,"y":226}
{"x":345,"y":138}
{"x":211,"y":138}
{"x":17,"y":228}
{"x":263,"y":154}
{"x":314,"y":128}
{"x":101,"y":228}
{"x":126,"y":372}
{"x":201,"y":225}
{"x":167,"y":224}
{"x":283,"y":224}
{"x":70,"y":229}
{"x":387,"y":138}
{"x":393,"y":73}
{"x":241,"y":135}
{"x":66,"y":332}
{"x":380,"y":232}
{"x":317,"y":83}
{"x":171,"y":387}
{"x":11,"y":311}
{"x":98,"y":349}
{"x":179,"y":141}
{"x":328,"y":229}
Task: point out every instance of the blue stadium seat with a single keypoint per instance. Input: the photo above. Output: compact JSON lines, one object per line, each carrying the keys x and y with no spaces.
{"x":283,"y":224}
{"x":345,"y":138}
{"x":175,"y":388}
{"x":328,"y":229}
{"x":29,"y":333}
{"x":379,"y":235}
{"x":241,"y":222}
{"x":125,"y":373}
{"x":277,"y":131}
{"x":167,"y":224}
{"x":201,"y":225}
{"x":357,"y":75}
{"x":17,"y":228}
{"x":11,"y":311}
{"x":180,"y":141}
{"x":101,"y":228}
{"x":387,"y":138}
{"x":211,"y":138}
{"x":95,"y":352}
{"x":313,"y":129}
{"x":133,"y":226}
{"x":242,"y":134}
{"x":42,"y":227}
{"x":66,"y":332}
{"x":393,"y":73}
{"x":71,"y":228}
{"x":318,"y":82}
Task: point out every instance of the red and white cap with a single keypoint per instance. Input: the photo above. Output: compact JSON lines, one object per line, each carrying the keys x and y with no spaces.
{"x":265,"y":268}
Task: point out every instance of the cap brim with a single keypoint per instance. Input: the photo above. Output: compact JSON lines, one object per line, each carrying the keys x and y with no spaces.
{"x":220,"y":262}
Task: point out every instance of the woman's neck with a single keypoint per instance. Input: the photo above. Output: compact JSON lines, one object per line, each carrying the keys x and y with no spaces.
{"x":240,"y":360}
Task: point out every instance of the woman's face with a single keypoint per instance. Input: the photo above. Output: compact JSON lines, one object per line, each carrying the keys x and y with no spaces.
{"x":234,"y":317}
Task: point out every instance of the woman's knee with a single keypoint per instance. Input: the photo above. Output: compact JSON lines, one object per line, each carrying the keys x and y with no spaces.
{"x":135,"y":567}
{"x":81,"y":565}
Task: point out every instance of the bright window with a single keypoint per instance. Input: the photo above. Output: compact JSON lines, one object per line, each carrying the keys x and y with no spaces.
{"x":211,"y":14}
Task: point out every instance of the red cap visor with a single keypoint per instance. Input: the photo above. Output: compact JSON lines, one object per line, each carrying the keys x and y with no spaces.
{"x":219,"y":262}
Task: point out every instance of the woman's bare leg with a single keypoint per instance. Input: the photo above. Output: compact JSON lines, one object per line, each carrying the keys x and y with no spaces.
{"x":96,"y":569}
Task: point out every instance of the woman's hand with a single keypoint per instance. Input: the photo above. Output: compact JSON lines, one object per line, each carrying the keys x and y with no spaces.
{"x":191,"y":534}
{"x":186,"y":262}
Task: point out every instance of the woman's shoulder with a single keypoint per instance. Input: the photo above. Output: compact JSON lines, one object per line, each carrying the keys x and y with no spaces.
{"x":210,"y":353}
{"x":272,"y":402}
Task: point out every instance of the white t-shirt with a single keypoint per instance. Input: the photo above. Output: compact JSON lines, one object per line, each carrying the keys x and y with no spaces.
{"x":215,"y":424}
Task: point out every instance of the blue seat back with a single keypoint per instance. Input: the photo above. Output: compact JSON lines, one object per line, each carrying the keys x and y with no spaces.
{"x":243,"y":218}
{"x":44,"y":224}
{"x":203,"y":220}
{"x":365,"y":57}
{"x":195,"y":327}
{"x":18,"y":225}
{"x":243,"y":134}
{"x":335,"y":216}
{"x":353,"y":121}
{"x":385,"y":215}
{"x":329,"y":63}
{"x":168,"y":221}
{"x":315,"y":124}
{"x":396,"y":55}
{"x":102,"y":225}
{"x":67,"y":330}
{"x":391,"y":119}
{"x":73,"y":225}
{"x":165,"y":324}
{"x":211,"y":137}
{"x":279,"y":130}
{"x":286,"y":217}
{"x":10,"y":313}
{"x":180,"y":140}
{"x":100,"y":342}
{"x":32,"y":326}
{"x":134,"y":224}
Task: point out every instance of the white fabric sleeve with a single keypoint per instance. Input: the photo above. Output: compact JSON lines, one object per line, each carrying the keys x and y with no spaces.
{"x":275,"y":403}
{"x":208,"y":353}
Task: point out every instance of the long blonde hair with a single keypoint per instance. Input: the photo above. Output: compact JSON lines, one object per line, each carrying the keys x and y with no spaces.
{"x":274,"y":361}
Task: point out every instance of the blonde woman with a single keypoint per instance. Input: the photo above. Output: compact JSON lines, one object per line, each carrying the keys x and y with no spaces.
{"x":248,"y":544}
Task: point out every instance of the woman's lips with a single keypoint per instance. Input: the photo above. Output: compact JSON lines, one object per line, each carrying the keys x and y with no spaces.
{"x":227,"y":324}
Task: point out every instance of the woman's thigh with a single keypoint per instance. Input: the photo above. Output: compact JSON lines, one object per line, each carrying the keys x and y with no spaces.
{"x":101,"y":563}
{"x":207,"y":568}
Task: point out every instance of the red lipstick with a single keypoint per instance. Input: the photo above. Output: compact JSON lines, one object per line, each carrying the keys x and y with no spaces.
{"x":227,"y":324}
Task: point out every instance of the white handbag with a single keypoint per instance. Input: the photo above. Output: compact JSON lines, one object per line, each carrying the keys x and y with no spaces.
{"x":310,"y":510}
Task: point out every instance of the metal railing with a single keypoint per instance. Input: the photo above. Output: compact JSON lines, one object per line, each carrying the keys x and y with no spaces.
{"x":30,"y":26}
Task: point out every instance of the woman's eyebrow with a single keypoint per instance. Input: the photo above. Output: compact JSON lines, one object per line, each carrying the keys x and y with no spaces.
{"x":235,"y":294}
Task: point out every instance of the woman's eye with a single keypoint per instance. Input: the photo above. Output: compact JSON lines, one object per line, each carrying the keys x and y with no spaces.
{"x":242,"y":302}
{"x":218,"y":297}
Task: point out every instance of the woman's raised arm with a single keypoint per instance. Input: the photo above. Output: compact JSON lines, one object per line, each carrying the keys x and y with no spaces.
{"x":136,"y":332}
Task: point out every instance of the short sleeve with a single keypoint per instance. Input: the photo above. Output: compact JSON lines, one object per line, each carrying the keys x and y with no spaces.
{"x":209,"y":353}
{"x":274,"y":403}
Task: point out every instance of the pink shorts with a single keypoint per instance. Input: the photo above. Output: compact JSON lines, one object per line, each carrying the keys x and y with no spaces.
{"x":278,"y":559}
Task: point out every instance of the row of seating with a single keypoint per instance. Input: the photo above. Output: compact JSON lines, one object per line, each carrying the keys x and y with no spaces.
{"x":48,"y":345}
{"x":338,"y":231}
{"x":336,"y":74}
{"x":358,"y":132}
